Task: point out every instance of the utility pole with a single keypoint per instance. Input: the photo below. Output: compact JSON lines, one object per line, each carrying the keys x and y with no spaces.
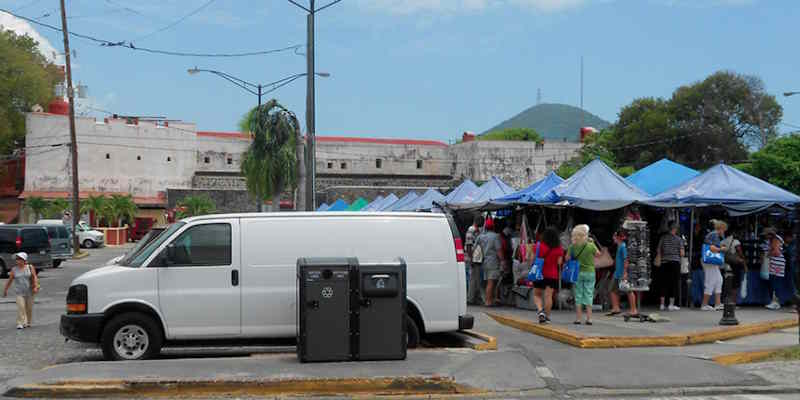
{"x":311,"y":159}
{"x":72,"y":136}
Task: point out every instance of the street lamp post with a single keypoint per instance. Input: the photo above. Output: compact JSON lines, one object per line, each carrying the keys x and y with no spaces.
{"x":256,"y":88}
{"x":787,"y":94}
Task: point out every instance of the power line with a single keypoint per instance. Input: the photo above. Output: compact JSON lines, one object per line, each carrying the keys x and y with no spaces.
{"x":128,"y":9}
{"x":179,"y":20}
{"x":131,"y":46}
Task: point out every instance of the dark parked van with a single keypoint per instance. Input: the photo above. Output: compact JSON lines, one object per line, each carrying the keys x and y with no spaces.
{"x":60,"y":243}
{"x":32,"y":239}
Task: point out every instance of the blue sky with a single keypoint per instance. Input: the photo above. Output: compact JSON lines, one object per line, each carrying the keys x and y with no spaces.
{"x":423,"y":68}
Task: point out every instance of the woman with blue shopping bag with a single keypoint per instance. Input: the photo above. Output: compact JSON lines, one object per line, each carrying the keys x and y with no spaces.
{"x":547,"y":258}
{"x":712,"y":258}
{"x":581,"y":254}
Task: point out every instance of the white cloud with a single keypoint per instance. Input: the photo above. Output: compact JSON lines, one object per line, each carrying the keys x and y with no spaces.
{"x":10,"y":22}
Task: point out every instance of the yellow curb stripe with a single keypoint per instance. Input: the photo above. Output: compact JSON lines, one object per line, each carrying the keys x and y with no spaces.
{"x":744,"y":357}
{"x":566,"y":336}
{"x":489,"y":342}
{"x":81,"y":255}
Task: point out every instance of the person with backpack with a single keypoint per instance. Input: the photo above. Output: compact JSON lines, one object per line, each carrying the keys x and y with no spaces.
{"x":474,"y":288}
{"x":489,"y":251}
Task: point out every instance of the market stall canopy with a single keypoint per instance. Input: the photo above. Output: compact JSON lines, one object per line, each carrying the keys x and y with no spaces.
{"x":338,"y":205}
{"x":372,"y":203}
{"x":409,"y":197}
{"x":726,"y":186}
{"x":661,"y":175}
{"x":595,"y":187}
{"x":533,"y":193}
{"x":387,"y":201}
{"x":428,"y":200}
{"x":357,"y":205}
{"x":493,"y":189}
{"x":323,"y":207}
{"x":466,"y":189}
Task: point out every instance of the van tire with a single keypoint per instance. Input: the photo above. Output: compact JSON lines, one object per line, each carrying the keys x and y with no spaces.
{"x":56,"y":263}
{"x":138,"y":324}
{"x":412,"y":333}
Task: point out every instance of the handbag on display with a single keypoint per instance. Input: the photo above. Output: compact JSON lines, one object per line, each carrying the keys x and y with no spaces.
{"x":684,"y":265}
{"x":477,"y":254}
{"x":537,"y":268}
{"x":711,"y":258}
{"x":764,"y":272}
{"x":743,"y":290}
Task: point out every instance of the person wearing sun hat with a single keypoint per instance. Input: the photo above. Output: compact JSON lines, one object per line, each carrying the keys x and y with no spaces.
{"x":26,"y":284}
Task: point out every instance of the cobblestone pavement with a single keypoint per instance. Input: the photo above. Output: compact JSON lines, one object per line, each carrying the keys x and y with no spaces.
{"x":42,"y":344}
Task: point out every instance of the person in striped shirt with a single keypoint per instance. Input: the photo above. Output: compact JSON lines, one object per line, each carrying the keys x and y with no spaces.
{"x":671,"y":248}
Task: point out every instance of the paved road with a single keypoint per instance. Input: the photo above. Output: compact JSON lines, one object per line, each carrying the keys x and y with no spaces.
{"x":42,"y":345}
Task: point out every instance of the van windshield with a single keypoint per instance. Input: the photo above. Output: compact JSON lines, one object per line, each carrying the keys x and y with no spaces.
{"x":143,"y":254}
{"x":143,"y":242}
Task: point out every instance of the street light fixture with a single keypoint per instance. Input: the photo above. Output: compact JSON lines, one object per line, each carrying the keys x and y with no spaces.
{"x":256,"y":88}
{"x":787,"y":94}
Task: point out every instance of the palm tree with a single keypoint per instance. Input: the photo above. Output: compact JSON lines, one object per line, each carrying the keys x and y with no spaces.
{"x":270,"y":163}
{"x":57,"y":208}
{"x":38,"y":205}
{"x":94,"y":206}
{"x":192,"y":206}
{"x":120,"y":207}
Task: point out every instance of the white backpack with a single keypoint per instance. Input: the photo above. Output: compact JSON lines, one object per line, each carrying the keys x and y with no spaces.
{"x":477,"y":254}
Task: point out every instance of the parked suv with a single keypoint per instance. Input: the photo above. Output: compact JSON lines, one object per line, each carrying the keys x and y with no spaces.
{"x":60,"y":243}
{"x":87,"y":237}
{"x":31,"y":239}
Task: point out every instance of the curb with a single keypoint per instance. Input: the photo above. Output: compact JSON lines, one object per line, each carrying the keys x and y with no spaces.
{"x":488,"y":342}
{"x":745,"y":357}
{"x":566,"y":336}
{"x":390,"y":386}
{"x":684,"y":391}
{"x":80,"y":255}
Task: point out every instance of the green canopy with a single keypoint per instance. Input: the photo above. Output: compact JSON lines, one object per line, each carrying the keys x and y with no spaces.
{"x":357,"y":205}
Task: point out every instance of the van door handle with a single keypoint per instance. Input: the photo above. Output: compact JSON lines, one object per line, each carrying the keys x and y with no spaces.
{"x":235,"y":277}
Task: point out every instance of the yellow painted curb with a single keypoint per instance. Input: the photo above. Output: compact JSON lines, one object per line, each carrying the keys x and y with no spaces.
{"x":80,"y":255}
{"x":394,"y":386}
{"x":743,"y":357}
{"x":490,"y":342}
{"x":566,"y":336}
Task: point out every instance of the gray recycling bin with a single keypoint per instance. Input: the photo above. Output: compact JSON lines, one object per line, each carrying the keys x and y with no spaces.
{"x":324,"y":308}
{"x":381,"y":315}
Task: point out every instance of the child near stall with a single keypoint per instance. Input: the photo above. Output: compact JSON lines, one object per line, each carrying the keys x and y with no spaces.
{"x":583,"y":250}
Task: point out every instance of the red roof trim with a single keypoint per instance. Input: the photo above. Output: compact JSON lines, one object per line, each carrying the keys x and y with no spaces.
{"x":415,"y":142}
{"x":224,"y":135}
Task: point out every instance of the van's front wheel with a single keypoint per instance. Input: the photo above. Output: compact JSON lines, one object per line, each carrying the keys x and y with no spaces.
{"x":131,"y":336}
{"x":412,"y":333}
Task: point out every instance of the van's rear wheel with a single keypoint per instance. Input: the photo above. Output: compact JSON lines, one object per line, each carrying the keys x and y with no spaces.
{"x":131,"y":336}
{"x":412,"y":333}
{"x":56,"y":263}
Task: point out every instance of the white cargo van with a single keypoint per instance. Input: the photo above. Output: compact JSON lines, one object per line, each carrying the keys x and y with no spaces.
{"x":234,"y":277}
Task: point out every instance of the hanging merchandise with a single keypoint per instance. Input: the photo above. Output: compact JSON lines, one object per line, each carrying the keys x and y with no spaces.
{"x":638,"y":254}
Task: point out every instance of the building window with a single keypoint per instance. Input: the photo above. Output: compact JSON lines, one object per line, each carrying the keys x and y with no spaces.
{"x":108,"y":156}
{"x":230,"y":161}
{"x":528,"y":172}
{"x":330,"y":165}
{"x":378,"y":163}
{"x":539,"y":146}
{"x":169,"y":159}
{"x":138,"y":158}
{"x":343,"y":166}
{"x":206,"y":160}
{"x":419,"y":164}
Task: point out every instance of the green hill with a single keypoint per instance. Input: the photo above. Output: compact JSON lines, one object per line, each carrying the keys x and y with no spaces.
{"x":553,"y":121}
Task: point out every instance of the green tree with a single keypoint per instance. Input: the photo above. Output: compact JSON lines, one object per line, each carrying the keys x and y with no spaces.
{"x":645,"y":120}
{"x":93,"y":205}
{"x":778,"y":163}
{"x":120,"y":207}
{"x":270,"y":163}
{"x":38,"y":205}
{"x":520,"y":134}
{"x":26,"y":79}
{"x":57,"y":208}
{"x":595,"y":146}
{"x":192,"y":206}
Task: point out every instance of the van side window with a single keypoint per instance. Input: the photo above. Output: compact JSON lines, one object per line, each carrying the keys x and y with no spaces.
{"x":8,"y":239}
{"x":34,"y":239}
{"x":203,"y":245}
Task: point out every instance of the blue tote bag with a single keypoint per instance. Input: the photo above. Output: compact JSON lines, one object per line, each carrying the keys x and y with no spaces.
{"x":536,"y":273}
{"x":572,"y":268}
{"x":711,"y":258}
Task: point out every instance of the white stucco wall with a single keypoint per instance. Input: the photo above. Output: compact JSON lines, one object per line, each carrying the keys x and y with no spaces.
{"x":217,"y":151}
{"x":396,"y":159}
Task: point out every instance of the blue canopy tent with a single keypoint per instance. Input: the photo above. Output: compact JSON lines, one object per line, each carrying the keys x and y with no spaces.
{"x":466,"y":189}
{"x":386,"y":201}
{"x":661,"y":175}
{"x":338,"y":205}
{"x":372,"y":203}
{"x":542,"y":185}
{"x":493,"y":189}
{"x":594,"y":187}
{"x":323,"y":207}
{"x":408,"y":198}
{"x":429,"y":200}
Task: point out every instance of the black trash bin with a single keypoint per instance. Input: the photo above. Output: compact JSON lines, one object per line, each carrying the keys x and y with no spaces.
{"x":381,"y":315}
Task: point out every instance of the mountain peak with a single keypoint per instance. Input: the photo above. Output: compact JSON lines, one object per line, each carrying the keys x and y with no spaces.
{"x":554,"y":121}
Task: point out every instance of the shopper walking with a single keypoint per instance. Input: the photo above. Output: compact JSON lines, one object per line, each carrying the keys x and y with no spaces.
{"x":777,"y":265}
{"x":553,"y":254}
{"x":26,"y":284}
{"x":583,"y":250}
{"x":671,"y":248}
{"x":474,"y":288}
{"x":621,"y":275}
{"x":713,"y":278}
{"x":490,"y":248}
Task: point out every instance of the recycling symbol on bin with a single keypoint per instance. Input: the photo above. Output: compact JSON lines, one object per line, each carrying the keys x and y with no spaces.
{"x":380,"y":284}
{"x":327,"y":292}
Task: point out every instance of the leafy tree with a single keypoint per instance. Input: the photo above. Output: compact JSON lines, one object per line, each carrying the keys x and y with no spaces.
{"x":57,"y":208}
{"x":93,"y":205}
{"x":645,"y":120}
{"x":521,"y":134}
{"x":26,"y":79}
{"x":38,"y":205}
{"x":120,"y":207}
{"x":778,"y":163}
{"x":595,"y":146}
{"x":196,"y":205}
{"x":270,"y":163}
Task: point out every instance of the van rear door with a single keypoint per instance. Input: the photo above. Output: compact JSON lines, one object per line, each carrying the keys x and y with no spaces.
{"x":198,"y":288}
